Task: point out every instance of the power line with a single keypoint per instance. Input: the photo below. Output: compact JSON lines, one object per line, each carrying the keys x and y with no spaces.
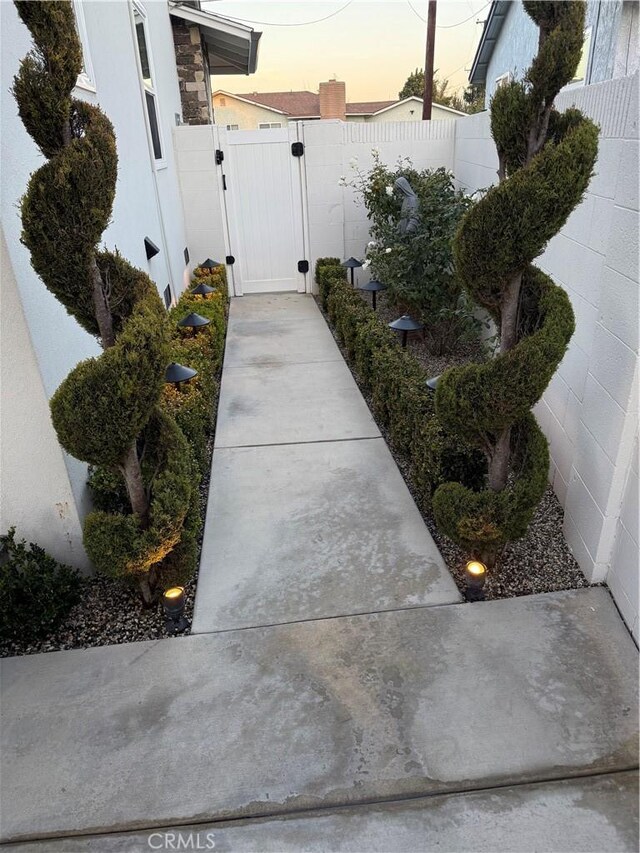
{"x":445,"y":26}
{"x":298,"y":24}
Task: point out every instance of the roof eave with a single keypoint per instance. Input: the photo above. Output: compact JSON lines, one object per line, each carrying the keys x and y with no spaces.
{"x":488,"y":39}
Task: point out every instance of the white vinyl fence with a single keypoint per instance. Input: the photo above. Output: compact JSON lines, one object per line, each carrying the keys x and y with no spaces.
{"x":589,"y":411}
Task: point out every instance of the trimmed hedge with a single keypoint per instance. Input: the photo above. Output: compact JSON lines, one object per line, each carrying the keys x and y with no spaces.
{"x":396,"y":383}
{"x":191,"y":407}
{"x":546,"y":161}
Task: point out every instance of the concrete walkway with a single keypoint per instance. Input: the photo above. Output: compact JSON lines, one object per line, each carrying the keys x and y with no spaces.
{"x":308,"y":515}
{"x":325,"y":702}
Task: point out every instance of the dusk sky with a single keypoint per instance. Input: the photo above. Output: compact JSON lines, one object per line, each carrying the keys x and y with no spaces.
{"x":372,"y":45}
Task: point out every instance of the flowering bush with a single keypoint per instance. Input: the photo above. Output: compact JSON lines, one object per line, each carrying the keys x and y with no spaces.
{"x":417,"y":269}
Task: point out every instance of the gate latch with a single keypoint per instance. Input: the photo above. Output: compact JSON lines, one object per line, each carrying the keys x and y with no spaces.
{"x":297,"y":149}
{"x":219,"y":157}
{"x":303,"y":266}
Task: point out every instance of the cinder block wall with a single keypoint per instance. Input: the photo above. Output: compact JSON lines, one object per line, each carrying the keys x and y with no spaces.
{"x":589,"y":411}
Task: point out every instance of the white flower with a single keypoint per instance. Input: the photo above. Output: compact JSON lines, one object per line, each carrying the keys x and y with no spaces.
{"x":389,"y":190}
{"x":366,"y":264}
{"x":371,"y":244}
{"x":353,"y":162}
{"x":375,"y":150}
{"x":342,"y":182}
{"x":387,"y":251}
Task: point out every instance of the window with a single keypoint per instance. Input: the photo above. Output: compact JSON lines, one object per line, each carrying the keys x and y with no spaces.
{"x":503,"y":79}
{"x":232,"y":127}
{"x":267,"y":125}
{"x":168,"y":297}
{"x":581,"y":71}
{"x":86,"y":79}
{"x":146,"y":73}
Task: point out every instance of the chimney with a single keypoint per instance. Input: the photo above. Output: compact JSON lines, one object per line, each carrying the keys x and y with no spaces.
{"x":333,"y":96}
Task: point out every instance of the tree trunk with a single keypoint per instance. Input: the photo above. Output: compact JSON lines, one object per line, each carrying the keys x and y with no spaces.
{"x":132,"y":474}
{"x":101,"y":307}
{"x":499,"y":462}
{"x":509,"y":314}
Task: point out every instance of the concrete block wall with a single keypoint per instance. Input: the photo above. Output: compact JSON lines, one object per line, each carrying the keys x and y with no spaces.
{"x":589,"y":411}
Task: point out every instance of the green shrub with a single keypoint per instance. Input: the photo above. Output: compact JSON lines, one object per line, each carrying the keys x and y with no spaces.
{"x":107,"y":411}
{"x":545,"y":163}
{"x":418,"y":270}
{"x":36,"y":592}
{"x":396,"y":383}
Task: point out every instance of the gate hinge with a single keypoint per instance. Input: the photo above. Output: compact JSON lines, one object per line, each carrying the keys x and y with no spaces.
{"x":230,"y":260}
{"x":219,"y":157}
{"x":297,"y":149}
{"x":303,"y":266}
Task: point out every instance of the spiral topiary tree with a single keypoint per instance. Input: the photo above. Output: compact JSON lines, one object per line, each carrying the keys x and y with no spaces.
{"x":106,"y":411}
{"x":546,"y":160}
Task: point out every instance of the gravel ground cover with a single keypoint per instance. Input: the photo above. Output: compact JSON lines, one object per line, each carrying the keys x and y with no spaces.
{"x":110,"y":612}
{"x":539,"y":562}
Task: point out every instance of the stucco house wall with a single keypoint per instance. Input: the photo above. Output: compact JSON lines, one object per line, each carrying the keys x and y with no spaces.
{"x":58,"y":341}
{"x":411,"y":111}
{"x":613,"y":48}
{"x":230,"y":111}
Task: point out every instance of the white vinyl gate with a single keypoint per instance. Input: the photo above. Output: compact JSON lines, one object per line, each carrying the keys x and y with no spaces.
{"x":263,"y":192}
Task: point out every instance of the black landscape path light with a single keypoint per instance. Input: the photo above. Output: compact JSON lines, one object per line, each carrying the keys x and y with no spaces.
{"x":210,"y":265}
{"x":203,"y":289}
{"x":178,"y":373}
{"x":351,"y":264}
{"x":432,"y":383}
{"x":374,"y":287}
{"x":173,"y":606}
{"x":194,"y":322}
{"x":476,"y":576}
{"x":406,"y":324}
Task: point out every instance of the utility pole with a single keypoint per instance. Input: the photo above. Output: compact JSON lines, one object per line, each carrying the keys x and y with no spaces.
{"x":428,"y":63}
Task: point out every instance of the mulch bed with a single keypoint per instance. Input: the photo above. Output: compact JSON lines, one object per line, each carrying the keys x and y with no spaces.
{"x":539,"y":562}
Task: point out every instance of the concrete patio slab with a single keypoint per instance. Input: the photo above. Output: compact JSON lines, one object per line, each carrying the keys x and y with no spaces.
{"x":587,"y":815}
{"x":251,"y":342}
{"x":290,"y":403}
{"x":275,"y":306}
{"x":307,"y":531}
{"x":317,"y":714}
{"x":285,"y":328}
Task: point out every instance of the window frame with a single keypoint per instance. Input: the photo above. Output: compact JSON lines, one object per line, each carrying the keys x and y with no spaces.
{"x":502,"y":80}
{"x":233,"y":127}
{"x":137,"y":9}
{"x":269,"y":125}
{"x":86,"y":78}
{"x":578,"y":82}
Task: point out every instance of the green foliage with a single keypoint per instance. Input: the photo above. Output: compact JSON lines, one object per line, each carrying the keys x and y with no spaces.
{"x":106,"y":412}
{"x":396,"y":383}
{"x":36,"y":592}
{"x":104,"y":403}
{"x":192,"y":404}
{"x":418,"y":271}
{"x":546,"y":161}
{"x":118,"y":543}
{"x":192,"y":408}
{"x":414,"y":87}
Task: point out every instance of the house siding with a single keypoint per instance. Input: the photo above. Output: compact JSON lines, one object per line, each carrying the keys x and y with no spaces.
{"x":518,"y":42}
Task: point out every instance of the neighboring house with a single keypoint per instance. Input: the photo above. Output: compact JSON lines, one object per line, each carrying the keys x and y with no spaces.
{"x":509,"y":42}
{"x":147,"y":64}
{"x":260,"y":110}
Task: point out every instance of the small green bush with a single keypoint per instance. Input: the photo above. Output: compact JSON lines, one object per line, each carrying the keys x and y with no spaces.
{"x":396,"y":383}
{"x":36,"y":592}
{"x":419,"y":269}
